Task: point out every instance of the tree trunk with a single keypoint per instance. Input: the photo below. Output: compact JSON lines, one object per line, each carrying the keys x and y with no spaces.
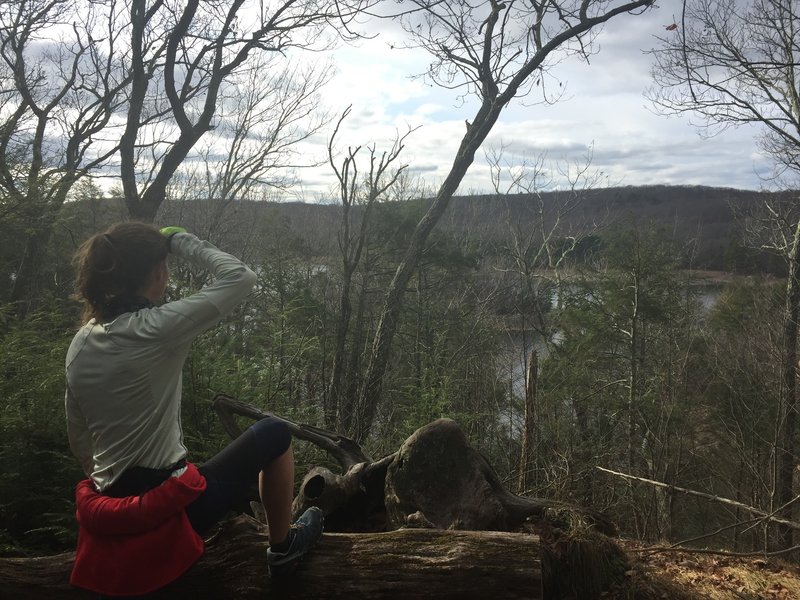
{"x":408,"y":563}
{"x":369,"y":396}
{"x":526,"y":459}
{"x":786,"y":454}
{"x":633,"y":366}
{"x":40,"y":218}
{"x":333,"y":398}
{"x":353,"y":378}
{"x":25,"y":286}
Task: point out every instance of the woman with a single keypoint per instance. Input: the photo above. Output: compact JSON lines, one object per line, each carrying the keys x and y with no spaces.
{"x":143,"y":509}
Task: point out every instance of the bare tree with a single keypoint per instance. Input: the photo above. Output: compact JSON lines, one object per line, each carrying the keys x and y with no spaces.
{"x":181,"y":87}
{"x":356,"y":191}
{"x":540,"y":245}
{"x":731,"y":64}
{"x":86,"y":83}
{"x":494,"y":51}
{"x":59,"y":88}
{"x":266,"y":113}
{"x":775,"y":226}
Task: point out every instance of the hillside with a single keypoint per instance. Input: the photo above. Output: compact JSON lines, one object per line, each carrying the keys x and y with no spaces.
{"x":696,"y":216}
{"x":701,"y":219}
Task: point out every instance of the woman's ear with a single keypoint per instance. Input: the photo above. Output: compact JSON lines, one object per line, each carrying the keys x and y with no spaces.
{"x":162,"y":276}
{"x":156,"y":282}
{"x":163,"y":272}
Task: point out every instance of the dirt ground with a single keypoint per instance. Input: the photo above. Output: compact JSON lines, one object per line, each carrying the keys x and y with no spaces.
{"x":688,"y":575}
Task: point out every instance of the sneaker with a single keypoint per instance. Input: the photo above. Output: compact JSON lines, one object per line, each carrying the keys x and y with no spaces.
{"x":303,"y":535}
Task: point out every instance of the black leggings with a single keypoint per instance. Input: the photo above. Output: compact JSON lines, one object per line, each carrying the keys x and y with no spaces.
{"x":230,"y":475}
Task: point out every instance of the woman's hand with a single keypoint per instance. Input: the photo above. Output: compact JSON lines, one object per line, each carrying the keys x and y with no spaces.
{"x":169,"y":232}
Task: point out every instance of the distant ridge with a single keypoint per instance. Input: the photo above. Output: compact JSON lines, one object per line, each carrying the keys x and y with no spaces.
{"x":701,"y":214}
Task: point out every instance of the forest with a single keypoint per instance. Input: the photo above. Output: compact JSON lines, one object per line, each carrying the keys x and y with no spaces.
{"x":647,"y":359}
{"x":632,"y":350}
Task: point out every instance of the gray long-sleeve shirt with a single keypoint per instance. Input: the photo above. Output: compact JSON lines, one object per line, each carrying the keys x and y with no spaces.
{"x":124,"y":377}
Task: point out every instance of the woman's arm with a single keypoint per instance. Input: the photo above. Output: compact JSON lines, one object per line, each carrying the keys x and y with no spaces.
{"x":182,"y":320}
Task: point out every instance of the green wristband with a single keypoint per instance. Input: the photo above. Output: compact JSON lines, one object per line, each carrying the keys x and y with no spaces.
{"x":169,"y":232}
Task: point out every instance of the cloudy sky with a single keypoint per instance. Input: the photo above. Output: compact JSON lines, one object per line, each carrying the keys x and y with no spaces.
{"x":604,"y":108}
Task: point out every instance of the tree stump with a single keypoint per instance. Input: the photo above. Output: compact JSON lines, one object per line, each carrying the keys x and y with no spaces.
{"x":436,"y":479}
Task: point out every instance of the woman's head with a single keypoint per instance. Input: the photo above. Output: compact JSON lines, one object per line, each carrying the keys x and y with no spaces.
{"x":117,"y":262}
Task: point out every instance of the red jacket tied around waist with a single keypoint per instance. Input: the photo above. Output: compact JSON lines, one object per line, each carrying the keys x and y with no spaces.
{"x":137,"y":544}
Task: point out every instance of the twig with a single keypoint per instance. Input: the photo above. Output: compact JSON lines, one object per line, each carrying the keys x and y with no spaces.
{"x":712,"y":497}
{"x":718,"y":552}
{"x":713,"y":533}
{"x":774,"y":512}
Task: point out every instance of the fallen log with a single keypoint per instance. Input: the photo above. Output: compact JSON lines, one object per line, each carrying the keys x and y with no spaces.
{"x":406,"y":563}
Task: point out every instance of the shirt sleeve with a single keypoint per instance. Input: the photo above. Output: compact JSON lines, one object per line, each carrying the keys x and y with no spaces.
{"x":79,"y":437}
{"x":183,"y":320}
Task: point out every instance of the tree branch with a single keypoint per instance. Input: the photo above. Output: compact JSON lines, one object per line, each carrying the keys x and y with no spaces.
{"x":713,"y":498}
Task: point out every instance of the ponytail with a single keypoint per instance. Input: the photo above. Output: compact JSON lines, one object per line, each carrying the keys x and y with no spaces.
{"x":117,"y":262}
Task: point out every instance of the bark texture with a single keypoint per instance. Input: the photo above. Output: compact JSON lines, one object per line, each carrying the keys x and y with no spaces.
{"x":436,"y":479}
{"x":407,"y":563}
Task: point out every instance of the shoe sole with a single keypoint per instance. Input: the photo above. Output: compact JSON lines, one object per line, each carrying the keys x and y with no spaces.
{"x":287,"y":568}
{"x":290,"y":565}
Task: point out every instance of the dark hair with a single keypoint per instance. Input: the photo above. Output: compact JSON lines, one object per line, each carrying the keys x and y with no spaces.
{"x":116,"y":262}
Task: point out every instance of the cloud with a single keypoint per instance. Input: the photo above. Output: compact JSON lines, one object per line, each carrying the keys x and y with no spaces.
{"x":420,"y":169}
{"x":603,"y":111}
